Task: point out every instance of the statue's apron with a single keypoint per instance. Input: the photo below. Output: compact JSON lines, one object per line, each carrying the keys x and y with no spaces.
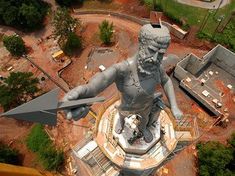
{"x":136,"y":99}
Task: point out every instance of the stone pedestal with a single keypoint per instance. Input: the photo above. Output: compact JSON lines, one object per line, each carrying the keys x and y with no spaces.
{"x":140,"y":157}
{"x":139,"y":146}
{"x":111,"y":154}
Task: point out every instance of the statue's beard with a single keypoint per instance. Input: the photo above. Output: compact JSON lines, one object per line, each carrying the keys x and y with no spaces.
{"x":146,"y":67}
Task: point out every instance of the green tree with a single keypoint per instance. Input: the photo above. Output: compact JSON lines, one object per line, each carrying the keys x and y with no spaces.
{"x":51,"y":158}
{"x":8,"y":155}
{"x":14,"y":44}
{"x":106,"y":31}
{"x":10,"y":15}
{"x":37,"y":138}
{"x":31,"y":15}
{"x":38,"y":141}
{"x":23,"y":14}
{"x":214,"y":158}
{"x":63,"y":25}
{"x":3,"y":6}
{"x":73,"y":42}
{"x":17,"y":89}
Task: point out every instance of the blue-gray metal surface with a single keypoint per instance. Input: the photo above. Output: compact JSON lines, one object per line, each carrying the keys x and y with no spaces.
{"x":44,"y":108}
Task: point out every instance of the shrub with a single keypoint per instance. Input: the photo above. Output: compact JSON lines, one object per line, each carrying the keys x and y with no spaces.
{"x":203,"y":35}
{"x":106,"y":32}
{"x":38,"y":141}
{"x":8,"y":155}
{"x":73,"y":42}
{"x":37,"y":138}
{"x":231,"y":141}
{"x":63,"y":23}
{"x":14,"y":44}
{"x":64,"y":26}
{"x":51,"y":158}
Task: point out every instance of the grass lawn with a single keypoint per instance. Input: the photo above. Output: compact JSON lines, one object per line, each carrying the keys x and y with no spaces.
{"x":193,"y":16}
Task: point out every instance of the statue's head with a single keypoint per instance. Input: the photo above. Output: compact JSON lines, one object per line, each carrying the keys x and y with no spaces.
{"x":153,"y":43}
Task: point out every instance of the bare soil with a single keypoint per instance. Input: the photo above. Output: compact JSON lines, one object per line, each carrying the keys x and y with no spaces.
{"x":14,"y":133}
{"x":181,"y":164}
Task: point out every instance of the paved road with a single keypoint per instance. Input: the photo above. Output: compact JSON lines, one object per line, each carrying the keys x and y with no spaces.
{"x":205,"y":5}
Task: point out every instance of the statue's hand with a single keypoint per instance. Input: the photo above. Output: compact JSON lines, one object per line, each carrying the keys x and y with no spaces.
{"x":177,"y":112}
{"x":76,"y":113}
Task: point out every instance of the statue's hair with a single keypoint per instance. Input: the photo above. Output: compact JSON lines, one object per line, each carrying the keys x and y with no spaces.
{"x":149,"y":33}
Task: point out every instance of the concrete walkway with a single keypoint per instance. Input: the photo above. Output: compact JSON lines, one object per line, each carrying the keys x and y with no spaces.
{"x":205,"y":5}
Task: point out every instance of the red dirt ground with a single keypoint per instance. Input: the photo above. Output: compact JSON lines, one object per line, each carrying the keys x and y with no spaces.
{"x":228,"y":97}
{"x":14,"y":133}
{"x":182,"y":164}
{"x":133,"y":7}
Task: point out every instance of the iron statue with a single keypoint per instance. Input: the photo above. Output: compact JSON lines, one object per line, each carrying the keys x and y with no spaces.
{"x":136,"y":79}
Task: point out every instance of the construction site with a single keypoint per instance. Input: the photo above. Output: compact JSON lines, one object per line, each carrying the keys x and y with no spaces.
{"x":108,"y":154}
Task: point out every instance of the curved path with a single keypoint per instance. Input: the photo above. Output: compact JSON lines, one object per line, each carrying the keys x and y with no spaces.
{"x":205,"y":5}
{"x":120,"y":22}
{"x":174,"y":48}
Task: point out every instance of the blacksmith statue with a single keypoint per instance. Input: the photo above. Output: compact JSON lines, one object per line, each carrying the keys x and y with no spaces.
{"x":136,"y":79}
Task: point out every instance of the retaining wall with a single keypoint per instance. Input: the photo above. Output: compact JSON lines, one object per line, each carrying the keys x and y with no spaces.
{"x":174,"y":29}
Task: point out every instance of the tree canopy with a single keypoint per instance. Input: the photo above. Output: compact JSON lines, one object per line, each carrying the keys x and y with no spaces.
{"x":63,"y":23}
{"x":231,"y":141}
{"x":24,"y":14}
{"x":215,"y":159}
{"x":64,"y":30}
{"x":17,"y":88}
{"x":14,"y":44}
{"x":9,"y":155}
{"x":106,"y":32}
{"x":73,"y":42}
{"x":38,"y":141}
{"x":30,"y":14}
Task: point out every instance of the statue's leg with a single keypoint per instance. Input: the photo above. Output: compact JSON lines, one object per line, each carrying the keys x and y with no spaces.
{"x":120,"y":123}
{"x":155,"y":112}
{"x":148,"y":136}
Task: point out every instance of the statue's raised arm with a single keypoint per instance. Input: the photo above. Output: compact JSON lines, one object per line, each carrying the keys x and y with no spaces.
{"x":97,"y":84}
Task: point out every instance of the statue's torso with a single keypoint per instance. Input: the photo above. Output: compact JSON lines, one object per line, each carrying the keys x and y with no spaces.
{"x":136,"y":91}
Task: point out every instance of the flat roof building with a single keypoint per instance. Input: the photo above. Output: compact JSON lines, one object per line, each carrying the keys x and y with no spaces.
{"x":210,"y":79}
